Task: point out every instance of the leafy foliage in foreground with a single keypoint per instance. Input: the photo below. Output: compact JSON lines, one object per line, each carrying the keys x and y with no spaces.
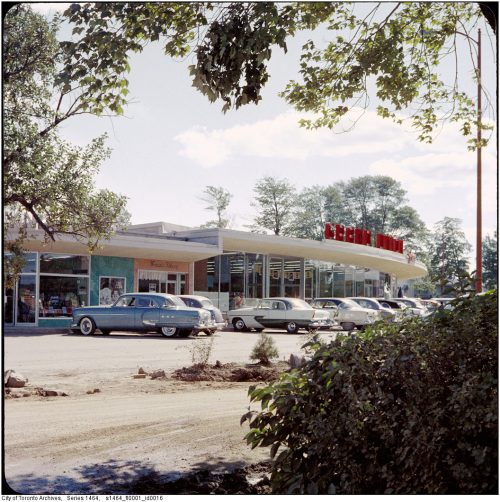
{"x":398,"y":409}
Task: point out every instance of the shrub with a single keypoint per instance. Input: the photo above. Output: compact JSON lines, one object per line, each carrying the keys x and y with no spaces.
{"x":200,"y":350}
{"x":404,"y":409}
{"x":264,"y":350}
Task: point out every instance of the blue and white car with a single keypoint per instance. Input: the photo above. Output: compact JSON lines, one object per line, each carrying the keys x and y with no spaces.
{"x":143,"y":312}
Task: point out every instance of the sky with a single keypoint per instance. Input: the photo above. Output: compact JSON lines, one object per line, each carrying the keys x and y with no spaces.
{"x":172,"y":143}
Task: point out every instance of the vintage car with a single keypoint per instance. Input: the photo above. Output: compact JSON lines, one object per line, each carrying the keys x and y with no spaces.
{"x":383,"y":313}
{"x":202,"y":302}
{"x":346,"y":312}
{"x":289,"y":313}
{"x":142,"y":312}
{"x":415,"y":306}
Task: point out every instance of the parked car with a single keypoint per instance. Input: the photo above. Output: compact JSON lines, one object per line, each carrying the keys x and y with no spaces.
{"x":401,"y":309}
{"x":289,"y":313}
{"x":346,"y":312}
{"x":143,"y":312}
{"x":415,"y":305}
{"x":383,"y":313}
{"x":202,"y":302}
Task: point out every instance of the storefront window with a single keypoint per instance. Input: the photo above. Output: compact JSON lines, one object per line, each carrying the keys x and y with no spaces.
{"x":64,"y":264}
{"x":20,"y":301}
{"x":292,"y":278}
{"x":310,"y":280}
{"x":349,"y":281}
{"x":159,"y":281}
{"x":254,"y":276}
{"x":360,"y":282}
{"x":339,"y":282}
{"x":63,"y":284}
{"x":275,"y":276}
{"x":60,"y":295}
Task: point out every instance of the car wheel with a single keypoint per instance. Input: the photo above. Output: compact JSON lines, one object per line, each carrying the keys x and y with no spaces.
{"x":87,"y":326}
{"x":292,"y":327}
{"x":105,"y":331}
{"x":239,"y":324}
{"x":347,"y":326}
{"x":169,"y":331}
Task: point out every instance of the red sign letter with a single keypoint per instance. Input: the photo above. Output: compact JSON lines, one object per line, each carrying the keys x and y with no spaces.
{"x":339,"y":232}
{"x":349,"y":234}
{"x":329,"y":231}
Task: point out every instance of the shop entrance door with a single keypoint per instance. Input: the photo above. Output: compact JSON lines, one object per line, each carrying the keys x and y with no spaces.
{"x":20,"y":301}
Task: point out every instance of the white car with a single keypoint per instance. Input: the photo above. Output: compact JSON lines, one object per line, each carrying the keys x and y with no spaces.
{"x":291,"y":314}
{"x":416,"y":307}
{"x":384,"y":313}
{"x":347,"y":312}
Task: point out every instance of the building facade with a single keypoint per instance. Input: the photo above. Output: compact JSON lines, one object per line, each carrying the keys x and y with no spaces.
{"x":218,"y":263}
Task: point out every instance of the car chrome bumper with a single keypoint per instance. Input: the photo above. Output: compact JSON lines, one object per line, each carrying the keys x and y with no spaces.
{"x":327,"y":323}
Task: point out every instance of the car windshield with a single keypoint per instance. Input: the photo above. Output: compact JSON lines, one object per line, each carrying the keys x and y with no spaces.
{"x":368,"y":304}
{"x":206,"y":304}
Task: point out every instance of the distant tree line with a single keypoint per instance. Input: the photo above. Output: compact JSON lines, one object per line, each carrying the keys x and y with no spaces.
{"x":375,"y":203}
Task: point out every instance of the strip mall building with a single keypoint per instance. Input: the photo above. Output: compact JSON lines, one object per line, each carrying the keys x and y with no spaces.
{"x":218,"y":263}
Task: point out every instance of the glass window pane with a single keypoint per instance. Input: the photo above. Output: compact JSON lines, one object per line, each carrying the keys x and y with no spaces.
{"x":60,"y":295}
{"x":30,"y":262}
{"x":26,"y":299}
{"x":64,"y":264}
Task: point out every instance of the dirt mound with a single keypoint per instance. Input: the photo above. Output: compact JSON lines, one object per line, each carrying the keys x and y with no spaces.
{"x":230,"y":372}
{"x":249,"y":480}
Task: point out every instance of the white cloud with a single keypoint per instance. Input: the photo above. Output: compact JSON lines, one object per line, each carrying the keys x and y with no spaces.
{"x":283,"y":138}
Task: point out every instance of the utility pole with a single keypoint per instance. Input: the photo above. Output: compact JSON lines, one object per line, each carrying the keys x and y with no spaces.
{"x":479,"y":238}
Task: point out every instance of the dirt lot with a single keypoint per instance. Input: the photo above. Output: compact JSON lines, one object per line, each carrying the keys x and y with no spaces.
{"x":113,"y":433}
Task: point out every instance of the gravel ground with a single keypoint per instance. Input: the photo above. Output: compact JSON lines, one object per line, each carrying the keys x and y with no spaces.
{"x":129,"y":431}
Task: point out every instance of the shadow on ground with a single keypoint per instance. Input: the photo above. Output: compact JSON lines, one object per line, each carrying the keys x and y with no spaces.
{"x":134,"y":477}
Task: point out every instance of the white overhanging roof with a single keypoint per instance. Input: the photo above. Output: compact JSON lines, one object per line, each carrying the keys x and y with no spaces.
{"x":199,"y":244}
{"x":129,"y":246}
{"x":327,"y":250}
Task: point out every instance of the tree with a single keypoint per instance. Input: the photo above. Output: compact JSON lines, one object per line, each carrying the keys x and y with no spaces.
{"x":315,"y":206}
{"x":218,"y":200}
{"x":490,"y":261}
{"x":274,"y":200}
{"x":47,"y":181}
{"x":449,"y":250}
{"x":395,"y":48}
{"x":378,"y":203}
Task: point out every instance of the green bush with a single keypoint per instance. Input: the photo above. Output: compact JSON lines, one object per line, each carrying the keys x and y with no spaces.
{"x":264,"y":350}
{"x":403,"y":409}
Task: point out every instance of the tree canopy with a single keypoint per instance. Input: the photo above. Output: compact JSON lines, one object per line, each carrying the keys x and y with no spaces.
{"x":275,"y":201}
{"x":382,"y":54}
{"x":47,"y":181}
{"x":218,"y":199}
{"x":449,"y":249}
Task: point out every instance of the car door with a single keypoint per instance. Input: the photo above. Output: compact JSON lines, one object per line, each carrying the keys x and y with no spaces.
{"x":118,"y":316}
{"x":274,"y":315}
{"x":146,"y":313}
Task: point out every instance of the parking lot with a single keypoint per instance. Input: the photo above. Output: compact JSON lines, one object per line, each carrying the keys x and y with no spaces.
{"x":86,"y":441}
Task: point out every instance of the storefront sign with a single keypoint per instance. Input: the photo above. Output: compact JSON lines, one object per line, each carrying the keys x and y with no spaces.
{"x":361,"y":236}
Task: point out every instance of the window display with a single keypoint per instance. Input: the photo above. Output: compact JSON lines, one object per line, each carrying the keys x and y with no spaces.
{"x":110,"y":289}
